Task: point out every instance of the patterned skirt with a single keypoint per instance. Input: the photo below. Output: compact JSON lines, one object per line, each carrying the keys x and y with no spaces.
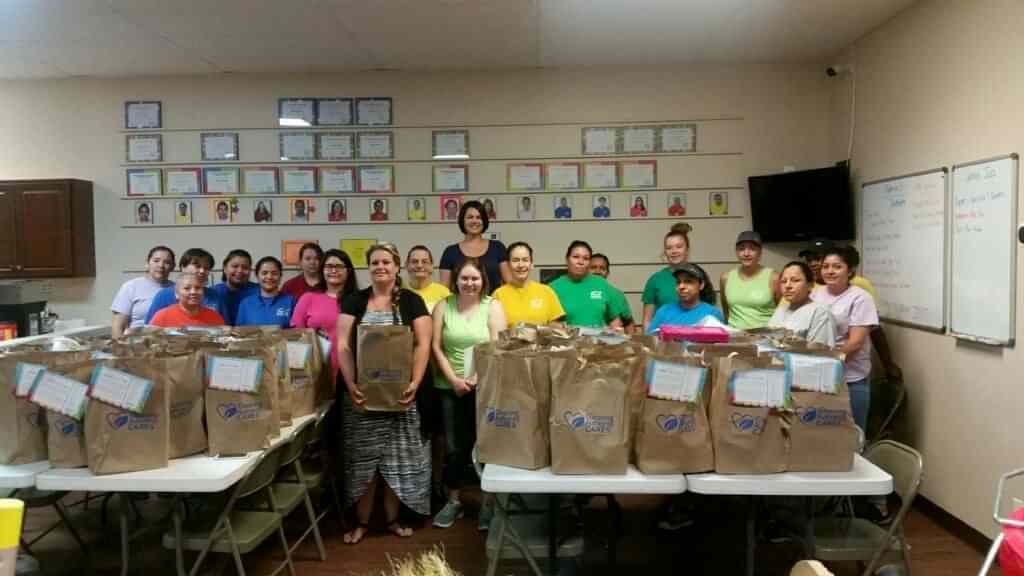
{"x":389,"y":443}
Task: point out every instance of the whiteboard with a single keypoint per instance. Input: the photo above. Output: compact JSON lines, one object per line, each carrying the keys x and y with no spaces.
{"x":904,"y":247}
{"x":984,"y":250}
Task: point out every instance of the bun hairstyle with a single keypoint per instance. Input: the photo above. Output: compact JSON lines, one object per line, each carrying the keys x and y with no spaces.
{"x":396,"y":290}
{"x":804,"y":269}
{"x":681,"y":229}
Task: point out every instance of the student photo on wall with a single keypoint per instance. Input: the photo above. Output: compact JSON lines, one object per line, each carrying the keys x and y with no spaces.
{"x":450,"y":205}
{"x":563,"y":207}
{"x":638,"y":206}
{"x":143,"y":212}
{"x":415,"y":210}
{"x":601,"y":209}
{"x":378,"y":210}
{"x":524,"y":208}
{"x":300,"y":210}
{"x":677,"y":204}
{"x":488,"y":204}
{"x":263,"y":212}
{"x":338,"y":211}
{"x":718,"y":203}
{"x":222,"y":212}
{"x":183,"y":213}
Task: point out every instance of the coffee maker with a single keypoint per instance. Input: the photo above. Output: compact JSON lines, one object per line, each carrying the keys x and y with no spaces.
{"x":24,"y":304}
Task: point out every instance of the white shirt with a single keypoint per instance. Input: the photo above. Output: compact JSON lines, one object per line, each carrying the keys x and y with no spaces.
{"x":134,"y":298}
{"x":812,"y":322}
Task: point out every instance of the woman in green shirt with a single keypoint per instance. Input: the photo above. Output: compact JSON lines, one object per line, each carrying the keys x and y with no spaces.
{"x":466,"y":318}
{"x":588,"y":300}
{"x":750,"y":292}
{"x":660,"y":288}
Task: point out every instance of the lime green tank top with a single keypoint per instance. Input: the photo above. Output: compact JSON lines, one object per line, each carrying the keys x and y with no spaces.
{"x":751,"y":302}
{"x":458,"y":333}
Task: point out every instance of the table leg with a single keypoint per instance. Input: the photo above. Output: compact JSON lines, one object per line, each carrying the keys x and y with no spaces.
{"x":810,"y":547}
{"x":124,"y":511}
{"x":751,"y":535}
{"x":553,"y":507}
{"x":614,"y":526}
{"x":179,"y":555}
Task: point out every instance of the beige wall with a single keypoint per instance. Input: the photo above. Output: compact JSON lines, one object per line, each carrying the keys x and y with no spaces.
{"x":941,"y":84}
{"x":752,"y":119}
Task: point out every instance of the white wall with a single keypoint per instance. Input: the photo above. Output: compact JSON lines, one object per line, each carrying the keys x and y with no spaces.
{"x":752,"y":120}
{"x":941,"y":84}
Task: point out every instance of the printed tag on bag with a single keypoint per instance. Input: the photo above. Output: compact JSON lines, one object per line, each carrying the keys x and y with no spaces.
{"x":298,"y":353}
{"x":234,"y":374}
{"x":119,"y":388}
{"x":61,"y":394}
{"x":673,"y":381}
{"x":25,"y":377}
{"x":759,"y":388}
{"x":814,"y":373}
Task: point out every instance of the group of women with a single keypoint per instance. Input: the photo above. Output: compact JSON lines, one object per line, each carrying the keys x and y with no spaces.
{"x":484,"y":287}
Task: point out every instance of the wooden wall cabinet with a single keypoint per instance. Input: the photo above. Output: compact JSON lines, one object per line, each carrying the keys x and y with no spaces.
{"x":46,"y":229}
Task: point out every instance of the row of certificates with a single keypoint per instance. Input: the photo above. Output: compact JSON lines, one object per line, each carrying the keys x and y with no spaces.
{"x":223,"y":146}
{"x":647,"y":139}
{"x":148,"y":115}
{"x":523,"y":177}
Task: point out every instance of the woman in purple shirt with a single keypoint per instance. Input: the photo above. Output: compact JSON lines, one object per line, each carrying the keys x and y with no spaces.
{"x":856,"y":316}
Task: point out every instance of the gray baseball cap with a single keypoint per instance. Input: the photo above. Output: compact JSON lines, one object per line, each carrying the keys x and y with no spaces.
{"x":748,"y":236}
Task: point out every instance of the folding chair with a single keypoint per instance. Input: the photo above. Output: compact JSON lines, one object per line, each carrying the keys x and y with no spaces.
{"x":316,"y":473}
{"x":232,"y":531}
{"x":887,"y":398}
{"x":856,"y":539}
{"x":289,"y":495}
{"x":34,"y":498}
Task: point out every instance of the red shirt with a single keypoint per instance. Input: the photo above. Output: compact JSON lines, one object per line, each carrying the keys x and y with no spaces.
{"x":297,"y":286}
{"x":176,"y":317}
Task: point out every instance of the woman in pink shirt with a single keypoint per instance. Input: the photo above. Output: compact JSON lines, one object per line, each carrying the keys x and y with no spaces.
{"x":320,"y":310}
{"x":856,"y":316}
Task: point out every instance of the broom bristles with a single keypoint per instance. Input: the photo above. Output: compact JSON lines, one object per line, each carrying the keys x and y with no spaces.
{"x":429,"y":563}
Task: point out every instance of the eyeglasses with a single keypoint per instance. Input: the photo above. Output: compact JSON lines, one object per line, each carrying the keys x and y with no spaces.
{"x":334,"y":267}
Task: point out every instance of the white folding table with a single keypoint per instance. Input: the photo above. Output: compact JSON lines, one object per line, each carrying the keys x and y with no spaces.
{"x":14,"y":476}
{"x":864,"y":479}
{"x":504,"y":481}
{"x":190,"y":475}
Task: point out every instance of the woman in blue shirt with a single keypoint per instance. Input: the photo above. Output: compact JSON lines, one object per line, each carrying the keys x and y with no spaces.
{"x":269,"y":306}
{"x":235,"y":285}
{"x":696,"y":300}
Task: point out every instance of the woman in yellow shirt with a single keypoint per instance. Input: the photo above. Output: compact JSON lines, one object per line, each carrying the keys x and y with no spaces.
{"x":419,"y":264}
{"x":526,"y":300}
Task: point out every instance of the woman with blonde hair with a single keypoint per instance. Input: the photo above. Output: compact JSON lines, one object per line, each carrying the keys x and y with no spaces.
{"x":384,"y":451}
{"x":660,"y":288}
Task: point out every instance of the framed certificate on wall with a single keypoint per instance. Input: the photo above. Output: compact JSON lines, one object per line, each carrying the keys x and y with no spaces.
{"x":375,"y":145}
{"x":373,"y":111}
{"x":259,"y":180}
{"x":600,"y":175}
{"x":563,"y":176}
{"x":297,"y":146}
{"x":296,"y":111}
{"x":144,"y":148}
{"x":452,"y":178}
{"x":220,"y":180}
{"x":219,"y":145}
{"x":143,"y":115}
{"x":298,"y":180}
{"x":337,"y":179}
{"x":678,"y":138}
{"x":336,"y":145}
{"x":600,"y":141}
{"x":639,"y":173}
{"x":376,"y":179}
{"x":450,"y":144}
{"x":182,"y":181}
{"x":639,"y":139}
{"x":524,"y":177}
{"x":334,"y":111}
{"x":145,"y":182}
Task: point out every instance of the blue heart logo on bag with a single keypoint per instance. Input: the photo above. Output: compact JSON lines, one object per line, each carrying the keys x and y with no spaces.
{"x":491,"y":415}
{"x":118,"y":420}
{"x":747,"y":423}
{"x":668,"y":422}
{"x":807,"y":415}
{"x":66,"y":426}
{"x":227,"y":411}
{"x":575,"y":419}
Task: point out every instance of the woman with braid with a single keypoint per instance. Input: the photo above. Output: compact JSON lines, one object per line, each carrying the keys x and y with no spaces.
{"x":384,"y":451}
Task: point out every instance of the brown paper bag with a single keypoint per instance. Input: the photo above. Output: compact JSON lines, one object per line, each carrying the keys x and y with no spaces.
{"x":269,"y":386}
{"x":747,"y":439}
{"x":513,"y":396}
{"x":384,"y":366}
{"x":823,"y":435}
{"x":117,"y":440}
{"x":239,"y":422}
{"x":65,"y":441}
{"x":22,"y":423}
{"x":183,"y":375}
{"x":590,"y":414}
{"x":673,"y":438}
{"x":305,"y":382}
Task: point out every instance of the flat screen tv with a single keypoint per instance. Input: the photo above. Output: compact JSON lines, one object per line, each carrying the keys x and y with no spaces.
{"x":796,"y":206}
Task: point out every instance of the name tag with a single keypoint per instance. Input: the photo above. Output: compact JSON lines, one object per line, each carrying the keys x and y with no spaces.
{"x":596,"y":295}
{"x":536,"y":304}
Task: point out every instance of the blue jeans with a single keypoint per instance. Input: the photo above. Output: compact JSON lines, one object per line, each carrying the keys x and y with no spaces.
{"x":860,"y":401}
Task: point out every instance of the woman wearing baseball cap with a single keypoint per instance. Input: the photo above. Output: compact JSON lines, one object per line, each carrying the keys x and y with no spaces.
{"x":749,"y":291}
{"x":696,"y":300}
